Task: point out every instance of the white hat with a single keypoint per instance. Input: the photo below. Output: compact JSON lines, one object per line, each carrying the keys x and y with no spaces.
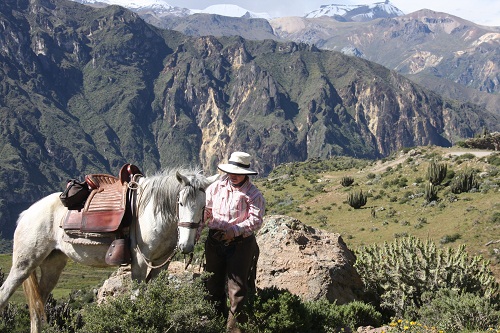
{"x":239,"y":164}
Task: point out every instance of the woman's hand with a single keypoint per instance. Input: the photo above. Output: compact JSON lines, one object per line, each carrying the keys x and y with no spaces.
{"x":228,"y":234}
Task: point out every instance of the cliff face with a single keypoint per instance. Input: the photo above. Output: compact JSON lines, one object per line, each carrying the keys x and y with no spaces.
{"x":286,"y":102}
{"x":85,"y":90}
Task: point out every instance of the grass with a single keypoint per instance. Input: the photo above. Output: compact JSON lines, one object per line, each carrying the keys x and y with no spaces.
{"x":396,"y":206}
{"x":74,"y":277}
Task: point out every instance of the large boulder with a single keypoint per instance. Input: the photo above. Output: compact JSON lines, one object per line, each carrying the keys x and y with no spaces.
{"x":308,"y":262}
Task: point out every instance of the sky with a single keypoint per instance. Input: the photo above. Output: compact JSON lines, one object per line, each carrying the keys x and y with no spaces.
{"x":485,"y":12}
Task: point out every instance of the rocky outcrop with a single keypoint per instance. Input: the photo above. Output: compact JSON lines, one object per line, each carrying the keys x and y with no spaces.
{"x":308,"y":262}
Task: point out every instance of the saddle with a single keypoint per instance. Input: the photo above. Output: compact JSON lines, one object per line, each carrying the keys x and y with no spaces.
{"x":107,"y":212}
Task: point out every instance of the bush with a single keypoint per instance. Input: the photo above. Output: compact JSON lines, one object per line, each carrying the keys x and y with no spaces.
{"x":452,"y":311}
{"x":330,"y":317}
{"x":397,"y":274}
{"x":346,"y":181}
{"x":160,"y":306}
{"x":276,"y":310}
{"x":14,"y":319}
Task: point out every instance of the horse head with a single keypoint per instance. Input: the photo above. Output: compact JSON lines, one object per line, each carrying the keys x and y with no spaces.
{"x":190,"y":208}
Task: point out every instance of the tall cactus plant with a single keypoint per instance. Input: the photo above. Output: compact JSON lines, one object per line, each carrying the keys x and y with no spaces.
{"x":464,"y":182}
{"x":356,"y":199}
{"x":436,"y":172}
{"x":430,"y":192}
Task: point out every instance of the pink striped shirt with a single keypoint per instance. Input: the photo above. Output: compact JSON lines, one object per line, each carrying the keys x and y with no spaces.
{"x":229,"y":207}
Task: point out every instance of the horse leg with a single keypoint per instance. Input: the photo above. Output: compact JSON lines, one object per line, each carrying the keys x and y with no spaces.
{"x":37,"y":292}
{"x":50,"y":271}
{"x":24,"y":263}
{"x":16,"y":276}
{"x":23,"y":272}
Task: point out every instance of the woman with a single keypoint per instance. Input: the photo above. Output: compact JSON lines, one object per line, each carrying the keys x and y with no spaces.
{"x":233,"y":213}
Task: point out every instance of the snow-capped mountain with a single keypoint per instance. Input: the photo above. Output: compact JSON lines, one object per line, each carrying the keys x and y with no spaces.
{"x":341,"y":12}
{"x":231,"y":11}
{"x":161,"y":7}
{"x":357,"y":12}
{"x":158,"y":7}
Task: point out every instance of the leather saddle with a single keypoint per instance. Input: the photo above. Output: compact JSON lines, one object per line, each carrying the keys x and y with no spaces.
{"x":107,"y":208}
{"x":107,"y":211}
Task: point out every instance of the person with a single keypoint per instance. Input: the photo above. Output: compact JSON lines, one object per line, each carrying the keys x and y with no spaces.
{"x":233,"y":213}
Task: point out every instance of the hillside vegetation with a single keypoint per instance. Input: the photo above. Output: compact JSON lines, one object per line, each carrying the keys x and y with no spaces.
{"x":396,"y":202}
{"x":396,"y":206}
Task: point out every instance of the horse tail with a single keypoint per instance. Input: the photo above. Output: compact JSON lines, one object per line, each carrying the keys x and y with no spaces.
{"x":35,"y":302}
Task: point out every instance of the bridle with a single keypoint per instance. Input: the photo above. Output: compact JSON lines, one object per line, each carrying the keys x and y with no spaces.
{"x":189,"y":225}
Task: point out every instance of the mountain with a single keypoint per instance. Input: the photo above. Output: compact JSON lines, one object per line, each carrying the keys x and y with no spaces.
{"x":230,"y":11}
{"x":357,"y":13}
{"x":85,"y":90}
{"x":455,"y":57}
{"x":161,"y":8}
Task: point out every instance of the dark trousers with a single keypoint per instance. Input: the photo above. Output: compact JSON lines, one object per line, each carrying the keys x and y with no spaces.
{"x":233,"y":267}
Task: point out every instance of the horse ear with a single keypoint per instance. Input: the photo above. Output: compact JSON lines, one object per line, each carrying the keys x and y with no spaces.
{"x":181,"y":178}
{"x":213,"y":178}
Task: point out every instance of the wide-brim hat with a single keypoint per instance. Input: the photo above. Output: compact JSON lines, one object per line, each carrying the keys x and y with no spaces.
{"x":238,"y":164}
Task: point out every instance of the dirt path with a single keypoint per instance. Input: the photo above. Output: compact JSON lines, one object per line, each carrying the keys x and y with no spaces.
{"x":380,"y":166}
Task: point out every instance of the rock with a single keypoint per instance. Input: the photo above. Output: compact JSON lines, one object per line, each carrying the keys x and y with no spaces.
{"x":116,"y":284}
{"x":120,"y":281}
{"x":308,"y":262}
{"x":371,"y":329}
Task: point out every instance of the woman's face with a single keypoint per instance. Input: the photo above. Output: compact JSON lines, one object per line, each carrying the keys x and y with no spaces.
{"x":235,"y":179}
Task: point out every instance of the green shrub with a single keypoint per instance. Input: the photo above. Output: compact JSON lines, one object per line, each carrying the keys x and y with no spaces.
{"x":160,"y":306}
{"x":453,"y":311}
{"x":14,"y":318}
{"x":276,"y":310}
{"x":346,"y":181}
{"x":397,"y":274}
{"x":449,"y":238}
{"x":330,"y":317}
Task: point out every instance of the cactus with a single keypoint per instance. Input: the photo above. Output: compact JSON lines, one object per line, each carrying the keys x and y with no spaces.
{"x":436,"y":173}
{"x":346,"y":181}
{"x":430,"y":192}
{"x":398,"y":273}
{"x":464,"y":182}
{"x":356,"y":199}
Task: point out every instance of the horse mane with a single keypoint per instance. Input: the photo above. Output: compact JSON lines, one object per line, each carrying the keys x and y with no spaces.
{"x":163,"y":189}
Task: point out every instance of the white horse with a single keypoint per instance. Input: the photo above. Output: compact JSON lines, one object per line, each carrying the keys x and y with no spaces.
{"x":169,"y":209}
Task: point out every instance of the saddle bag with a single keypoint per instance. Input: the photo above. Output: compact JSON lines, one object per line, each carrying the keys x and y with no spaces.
{"x":75,"y":194}
{"x":119,"y":252}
